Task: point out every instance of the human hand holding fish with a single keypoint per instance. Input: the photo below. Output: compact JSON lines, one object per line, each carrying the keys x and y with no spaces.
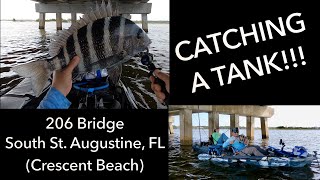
{"x":157,"y":87}
{"x":62,"y":79}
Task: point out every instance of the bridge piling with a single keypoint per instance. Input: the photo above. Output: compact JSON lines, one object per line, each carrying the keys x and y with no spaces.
{"x":234,"y":121}
{"x":144,"y":22}
{"x":73,"y":18}
{"x":171,"y":124}
{"x":59,"y":21}
{"x":213,"y":121}
{"x":120,"y":7}
{"x":264,"y":127}
{"x":250,"y":127}
{"x":42,"y":20}
{"x":186,"y":127}
{"x":185,"y":112}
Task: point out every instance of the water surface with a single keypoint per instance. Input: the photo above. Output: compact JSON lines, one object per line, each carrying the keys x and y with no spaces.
{"x":183,"y":163}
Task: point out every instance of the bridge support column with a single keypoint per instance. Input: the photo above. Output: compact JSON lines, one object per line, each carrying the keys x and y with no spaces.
{"x":185,"y":127}
{"x":144,"y":18}
{"x":250,"y":127}
{"x":59,"y":21}
{"x":171,"y":120}
{"x":42,"y":20}
{"x":264,"y":127}
{"x":234,"y":121}
{"x":213,"y":121}
{"x":73,"y":18}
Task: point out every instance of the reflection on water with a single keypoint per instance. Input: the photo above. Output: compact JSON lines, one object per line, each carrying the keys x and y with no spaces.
{"x":183,"y":162}
{"x":23,"y":41}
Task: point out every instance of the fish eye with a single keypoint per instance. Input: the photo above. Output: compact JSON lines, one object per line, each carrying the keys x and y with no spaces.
{"x":139,"y":34}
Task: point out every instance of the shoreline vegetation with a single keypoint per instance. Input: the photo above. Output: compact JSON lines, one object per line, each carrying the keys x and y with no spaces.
{"x":278,"y":127}
{"x":69,"y":20}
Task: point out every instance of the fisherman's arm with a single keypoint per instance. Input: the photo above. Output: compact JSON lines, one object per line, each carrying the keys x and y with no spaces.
{"x":61,"y":86}
{"x":226,"y":144}
{"x":230,"y":141}
{"x":246,"y":141}
{"x":54,"y":100}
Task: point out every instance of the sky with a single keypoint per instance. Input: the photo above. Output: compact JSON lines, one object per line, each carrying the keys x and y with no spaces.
{"x":295,"y":116}
{"x":25,"y":9}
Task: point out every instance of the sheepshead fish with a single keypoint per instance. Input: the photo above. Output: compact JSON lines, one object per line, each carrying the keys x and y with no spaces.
{"x":98,"y":38}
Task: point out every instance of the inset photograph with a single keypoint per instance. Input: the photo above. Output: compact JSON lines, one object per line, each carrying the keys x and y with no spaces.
{"x":244,"y":142}
{"x":83,"y":54}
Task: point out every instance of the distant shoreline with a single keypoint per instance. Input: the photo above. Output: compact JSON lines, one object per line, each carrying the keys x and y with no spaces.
{"x":68,"y":20}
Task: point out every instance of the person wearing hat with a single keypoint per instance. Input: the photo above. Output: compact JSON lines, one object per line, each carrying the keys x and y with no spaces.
{"x":240,"y":147}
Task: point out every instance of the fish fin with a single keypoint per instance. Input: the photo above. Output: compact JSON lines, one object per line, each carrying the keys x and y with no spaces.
{"x":103,"y":9}
{"x":81,"y":23}
{"x":61,"y":38}
{"x":86,"y":18}
{"x":37,"y":71}
{"x":97,"y":6}
{"x":115,"y":74}
{"x":56,"y":43}
{"x":92,"y":16}
{"x":109,"y":9}
{"x":97,"y":11}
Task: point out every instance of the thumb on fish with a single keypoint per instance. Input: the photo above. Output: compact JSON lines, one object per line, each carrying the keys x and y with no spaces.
{"x":164,"y":77}
{"x":73,"y":63}
{"x":161,"y":75}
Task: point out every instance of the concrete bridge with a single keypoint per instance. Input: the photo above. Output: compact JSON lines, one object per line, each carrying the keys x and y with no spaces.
{"x":120,"y":7}
{"x":185,"y":112}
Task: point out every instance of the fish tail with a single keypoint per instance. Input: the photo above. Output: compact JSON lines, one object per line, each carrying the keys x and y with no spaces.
{"x":37,"y":71}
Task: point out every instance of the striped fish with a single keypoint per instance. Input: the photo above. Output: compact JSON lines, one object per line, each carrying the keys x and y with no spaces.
{"x":98,"y":38}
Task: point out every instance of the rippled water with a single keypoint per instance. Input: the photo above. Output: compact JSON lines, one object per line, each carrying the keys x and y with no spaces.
{"x":23,"y":41}
{"x":183,"y":163}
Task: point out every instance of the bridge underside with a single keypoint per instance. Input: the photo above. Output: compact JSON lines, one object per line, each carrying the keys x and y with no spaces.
{"x":120,"y":7}
{"x":185,"y":113}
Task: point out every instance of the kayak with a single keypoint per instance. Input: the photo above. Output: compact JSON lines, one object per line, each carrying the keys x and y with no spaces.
{"x":298,"y":157}
{"x":82,"y":96}
{"x":262,"y":161}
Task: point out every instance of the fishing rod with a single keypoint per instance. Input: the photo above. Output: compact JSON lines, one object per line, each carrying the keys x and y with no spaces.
{"x":146,"y":59}
{"x":315,"y":154}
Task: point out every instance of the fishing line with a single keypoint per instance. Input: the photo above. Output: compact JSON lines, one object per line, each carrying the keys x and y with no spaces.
{"x":199,"y":122}
{"x":226,"y":131}
{"x":315,"y":153}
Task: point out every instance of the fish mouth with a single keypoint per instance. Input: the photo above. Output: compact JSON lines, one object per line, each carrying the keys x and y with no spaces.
{"x":148,"y":43}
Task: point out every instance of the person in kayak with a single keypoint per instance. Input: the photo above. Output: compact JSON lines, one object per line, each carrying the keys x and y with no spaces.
{"x":62,"y":84}
{"x":215,"y":136}
{"x":241,"y":147}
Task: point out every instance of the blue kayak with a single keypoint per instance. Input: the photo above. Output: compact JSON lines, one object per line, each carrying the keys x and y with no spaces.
{"x":262,"y":161}
{"x":298,"y":157}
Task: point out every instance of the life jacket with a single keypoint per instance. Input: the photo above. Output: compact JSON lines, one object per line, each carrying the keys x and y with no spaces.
{"x":215,"y":136}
